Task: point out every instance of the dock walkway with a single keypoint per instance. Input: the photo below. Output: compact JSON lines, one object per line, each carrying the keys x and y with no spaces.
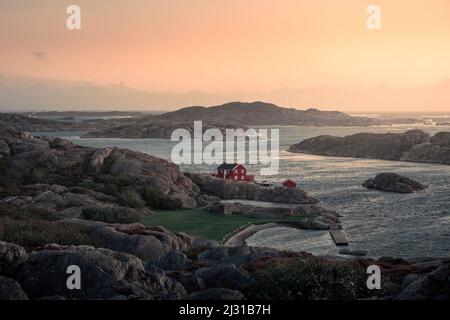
{"x":339,"y":237}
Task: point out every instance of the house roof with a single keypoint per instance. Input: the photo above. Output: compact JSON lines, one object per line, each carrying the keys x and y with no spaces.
{"x":227,"y":166}
{"x":289,"y":181}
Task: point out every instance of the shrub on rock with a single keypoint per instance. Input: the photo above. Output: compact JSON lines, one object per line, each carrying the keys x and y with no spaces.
{"x":311,"y":278}
{"x":111,"y":215}
{"x":38,"y":233}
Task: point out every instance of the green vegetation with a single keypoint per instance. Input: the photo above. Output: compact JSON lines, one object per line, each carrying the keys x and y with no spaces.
{"x":37,"y":233}
{"x":155,"y":199}
{"x":203,"y":223}
{"x":111,"y":215}
{"x":130,"y":198}
{"x":312,"y":278}
{"x":26,"y":213}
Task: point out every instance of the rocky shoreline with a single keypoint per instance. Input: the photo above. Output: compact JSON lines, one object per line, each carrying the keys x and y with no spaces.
{"x":411,"y":146}
{"x":63,"y":205}
{"x":182,"y":267}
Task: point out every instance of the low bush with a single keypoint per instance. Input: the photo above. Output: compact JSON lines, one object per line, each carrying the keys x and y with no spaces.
{"x":312,"y":278}
{"x":37,"y":233}
{"x":117,"y":180}
{"x":111,"y":215}
{"x":130,"y":198}
{"x":27,"y":213}
{"x":156,"y":200}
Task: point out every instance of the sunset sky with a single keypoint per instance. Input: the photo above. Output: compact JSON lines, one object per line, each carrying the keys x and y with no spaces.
{"x":166,"y":54}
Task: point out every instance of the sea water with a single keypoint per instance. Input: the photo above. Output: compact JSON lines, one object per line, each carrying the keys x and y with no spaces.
{"x":384,"y":224}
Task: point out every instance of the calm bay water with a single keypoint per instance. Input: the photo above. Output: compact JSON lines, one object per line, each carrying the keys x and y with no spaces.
{"x":384,"y":224}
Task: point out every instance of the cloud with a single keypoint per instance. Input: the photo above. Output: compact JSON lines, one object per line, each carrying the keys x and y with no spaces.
{"x":40,"y":55}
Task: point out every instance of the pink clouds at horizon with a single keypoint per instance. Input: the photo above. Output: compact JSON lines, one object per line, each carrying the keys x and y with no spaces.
{"x":292,"y":52}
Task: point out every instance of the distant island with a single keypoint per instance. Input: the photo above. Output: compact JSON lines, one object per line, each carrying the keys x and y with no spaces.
{"x":74,"y":114}
{"x":235,"y":115}
{"x":413,"y":146}
{"x":137,"y":125}
{"x":155,"y":128}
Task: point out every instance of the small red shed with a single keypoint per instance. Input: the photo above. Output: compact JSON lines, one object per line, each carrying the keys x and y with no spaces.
{"x":289,"y":184}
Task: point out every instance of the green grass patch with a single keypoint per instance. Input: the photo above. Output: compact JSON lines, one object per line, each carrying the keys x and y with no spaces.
{"x":203,"y":223}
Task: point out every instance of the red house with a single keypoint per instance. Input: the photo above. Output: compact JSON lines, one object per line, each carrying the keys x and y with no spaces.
{"x":233,"y":171}
{"x":289,"y":184}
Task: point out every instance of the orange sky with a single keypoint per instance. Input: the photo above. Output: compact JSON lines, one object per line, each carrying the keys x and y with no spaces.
{"x":237,"y":48}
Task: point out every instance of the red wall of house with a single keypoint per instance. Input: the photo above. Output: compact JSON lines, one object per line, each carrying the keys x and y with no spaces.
{"x":289,"y":184}
{"x":238,"y":174}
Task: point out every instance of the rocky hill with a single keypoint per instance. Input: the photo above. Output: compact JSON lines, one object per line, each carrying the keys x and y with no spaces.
{"x":413,"y":145}
{"x":230,"y":115}
{"x":56,"y":175}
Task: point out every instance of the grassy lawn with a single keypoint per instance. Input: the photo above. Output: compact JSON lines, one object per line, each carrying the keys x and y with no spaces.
{"x":202,"y":223}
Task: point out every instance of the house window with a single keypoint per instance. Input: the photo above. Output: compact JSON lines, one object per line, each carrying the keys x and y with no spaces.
{"x":235,"y":177}
{"x":242,"y":177}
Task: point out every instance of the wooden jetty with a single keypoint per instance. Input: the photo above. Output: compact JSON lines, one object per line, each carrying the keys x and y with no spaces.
{"x":338,"y":237}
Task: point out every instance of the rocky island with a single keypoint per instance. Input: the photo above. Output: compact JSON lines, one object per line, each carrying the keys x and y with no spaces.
{"x":230,"y":115}
{"x":413,"y":146}
{"x":392,"y":182}
{"x":155,"y":128}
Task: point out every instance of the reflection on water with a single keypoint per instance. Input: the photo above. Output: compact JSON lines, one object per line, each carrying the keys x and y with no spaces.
{"x":381,"y":223}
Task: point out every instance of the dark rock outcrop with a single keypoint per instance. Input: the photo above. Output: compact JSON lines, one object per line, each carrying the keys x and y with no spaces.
{"x":11,"y":257}
{"x":174,"y":260}
{"x":413,"y":145}
{"x":105,"y":274}
{"x":11,"y":290}
{"x":223,"y":276}
{"x":392,"y":182}
{"x":147,"y":243}
{"x":430,"y":286}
